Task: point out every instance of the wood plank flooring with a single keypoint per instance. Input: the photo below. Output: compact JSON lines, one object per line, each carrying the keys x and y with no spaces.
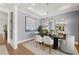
{"x":2,"y":41}
{"x":21,"y":50}
{"x":77,"y":48}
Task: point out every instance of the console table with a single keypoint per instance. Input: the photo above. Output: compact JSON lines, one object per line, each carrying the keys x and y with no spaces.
{"x":55,"y":38}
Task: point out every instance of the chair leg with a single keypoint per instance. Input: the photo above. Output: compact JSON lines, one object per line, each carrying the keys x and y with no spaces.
{"x":40,"y":45}
{"x":50,"y":49}
{"x":43,"y":46}
{"x":36,"y":44}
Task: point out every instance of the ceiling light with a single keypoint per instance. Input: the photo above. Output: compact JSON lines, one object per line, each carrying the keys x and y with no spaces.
{"x":40,"y":13}
{"x":33,"y":4}
{"x":42,"y":10}
{"x":44,"y":13}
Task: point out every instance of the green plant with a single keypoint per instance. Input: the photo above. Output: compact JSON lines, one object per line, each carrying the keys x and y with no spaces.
{"x":40,"y":29}
{"x":45,"y":32}
{"x":5,"y":28}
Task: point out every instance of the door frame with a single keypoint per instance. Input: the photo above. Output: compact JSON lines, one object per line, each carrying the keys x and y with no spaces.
{"x":8,"y":13}
{"x":78,"y":31}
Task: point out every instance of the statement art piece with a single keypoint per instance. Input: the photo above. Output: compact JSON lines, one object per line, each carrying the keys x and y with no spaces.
{"x":30,"y":24}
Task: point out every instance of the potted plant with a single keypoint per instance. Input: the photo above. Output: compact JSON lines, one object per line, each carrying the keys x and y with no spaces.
{"x":5,"y":30}
{"x":40,"y":30}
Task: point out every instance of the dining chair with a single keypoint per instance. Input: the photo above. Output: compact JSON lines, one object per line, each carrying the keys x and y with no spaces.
{"x":48,"y":41}
{"x":38,"y":39}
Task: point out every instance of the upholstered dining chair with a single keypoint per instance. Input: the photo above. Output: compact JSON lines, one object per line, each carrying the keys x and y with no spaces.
{"x":38,"y":39}
{"x":48,"y":41}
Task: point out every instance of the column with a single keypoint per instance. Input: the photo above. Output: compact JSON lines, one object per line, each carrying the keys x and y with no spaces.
{"x":15,"y":29}
{"x":8,"y":28}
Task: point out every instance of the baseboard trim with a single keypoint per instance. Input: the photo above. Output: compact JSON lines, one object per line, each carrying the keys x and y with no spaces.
{"x":25,"y":40}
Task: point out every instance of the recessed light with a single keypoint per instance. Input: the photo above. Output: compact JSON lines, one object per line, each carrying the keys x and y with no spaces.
{"x":33,"y":4}
{"x":40,"y":13}
{"x":44,"y":13}
{"x":42,"y":10}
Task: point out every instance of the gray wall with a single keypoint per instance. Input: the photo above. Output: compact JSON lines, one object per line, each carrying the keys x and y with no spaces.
{"x":3,"y":20}
{"x":72,"y":25}
{"x":22,"y":35}
{"x":72,"y":17}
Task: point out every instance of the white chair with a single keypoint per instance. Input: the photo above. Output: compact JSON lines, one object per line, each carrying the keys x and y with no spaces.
{"x":48,"y":41}
{"x":38,"y":39}
{"x":68,"y":44}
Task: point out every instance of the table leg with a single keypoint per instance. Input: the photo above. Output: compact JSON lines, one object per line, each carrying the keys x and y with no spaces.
{"x":55,"y":42}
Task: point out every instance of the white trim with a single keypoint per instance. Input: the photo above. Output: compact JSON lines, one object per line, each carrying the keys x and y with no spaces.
{"x":12,"y":43}
{"x":76,"y":43}
{"x":4,"y":10}
{"x":35,"y":16}
{"x":8,"y":25}
{"x":15,"y":26}
{"x":25,"y":40}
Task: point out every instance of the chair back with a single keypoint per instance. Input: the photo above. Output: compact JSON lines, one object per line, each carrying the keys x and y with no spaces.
{"x":47,"y":39}
{"x":38,"y":38}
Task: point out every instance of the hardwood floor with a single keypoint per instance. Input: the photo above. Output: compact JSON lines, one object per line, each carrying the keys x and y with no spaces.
{"x":77,"y":48}
{"x":2,"y":41}
{"x":21,"y":49}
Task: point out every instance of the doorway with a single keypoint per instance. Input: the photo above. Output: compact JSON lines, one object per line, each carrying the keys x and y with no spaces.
{"x":3,"y":27}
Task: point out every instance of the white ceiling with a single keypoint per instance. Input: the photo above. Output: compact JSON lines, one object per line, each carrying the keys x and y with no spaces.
{"x":43,"y":9}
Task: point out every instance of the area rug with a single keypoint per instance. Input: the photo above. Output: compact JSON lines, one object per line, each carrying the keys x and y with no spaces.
{"x":3,"y":50}
{"x":37,"y":51}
